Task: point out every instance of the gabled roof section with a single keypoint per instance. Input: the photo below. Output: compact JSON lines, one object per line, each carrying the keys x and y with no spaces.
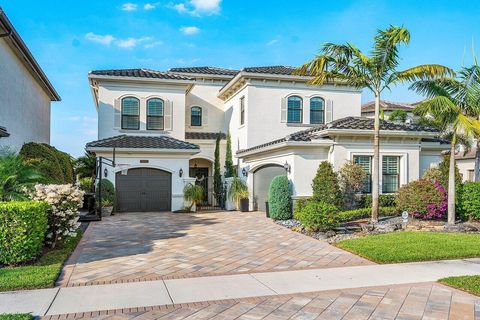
{"x":3,"y":132}
{"x":205,"y":70}
{"x":348,"y":123}
{"x":388,"y":106}
{"x":142,"y":142}
{"x":13,"y":39}
{"x":204,"y":135}
{"x":140,"y":73}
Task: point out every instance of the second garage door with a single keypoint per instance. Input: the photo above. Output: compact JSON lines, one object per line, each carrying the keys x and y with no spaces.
{"x":144,"y":189}
{"x":261,"y":183}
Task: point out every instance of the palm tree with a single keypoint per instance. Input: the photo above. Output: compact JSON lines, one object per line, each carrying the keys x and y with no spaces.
{"x":345,"y":64}
{"x":454,"y":104}
{"x":85,"y":166}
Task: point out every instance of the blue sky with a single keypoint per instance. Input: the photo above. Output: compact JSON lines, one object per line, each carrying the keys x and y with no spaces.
{"x":70,"y":38}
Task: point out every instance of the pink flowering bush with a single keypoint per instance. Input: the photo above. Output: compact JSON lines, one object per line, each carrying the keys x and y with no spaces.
{"x":423,"y":199}
{"x":65,"y":200}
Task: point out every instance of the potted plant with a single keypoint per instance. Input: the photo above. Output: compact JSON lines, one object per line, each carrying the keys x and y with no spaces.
{"x":194,"y":194}
{"x":107,"y":198}
{"x":238,"y":193}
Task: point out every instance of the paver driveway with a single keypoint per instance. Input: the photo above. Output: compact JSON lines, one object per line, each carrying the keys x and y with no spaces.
{"x":145,"y":246}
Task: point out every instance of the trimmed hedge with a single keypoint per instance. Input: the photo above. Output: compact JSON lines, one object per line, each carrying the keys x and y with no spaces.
{"x":470,"y":200}
{"x":23,"y":225}
{"x":325,"y":185}
{"x":363,"y":213}
{"x":317,"y":216}
{"x":279,"y":198}
{"x":108,"y":193}
{"x":384,"y":200}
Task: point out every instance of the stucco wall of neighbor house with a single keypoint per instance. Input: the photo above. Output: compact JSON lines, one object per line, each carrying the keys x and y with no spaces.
{"x":168,"y":162}
{"x":464,"y":165}
{"x":109,"y":91}
{"x":204,"y":95}
{"x":24,"y":105}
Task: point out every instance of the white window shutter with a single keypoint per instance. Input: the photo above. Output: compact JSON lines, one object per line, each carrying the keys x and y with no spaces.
{"x":204,"y":116}
{"x":329,"y":112}
{"x":283,"y":112}
{"x":117,"y":114}
{"x":168,"y":116}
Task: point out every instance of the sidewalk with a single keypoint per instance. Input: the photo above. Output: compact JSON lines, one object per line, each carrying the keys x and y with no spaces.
{"x":67,"y":300}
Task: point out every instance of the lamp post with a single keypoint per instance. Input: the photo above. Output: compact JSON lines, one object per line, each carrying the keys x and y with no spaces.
{"x":100,"y":162}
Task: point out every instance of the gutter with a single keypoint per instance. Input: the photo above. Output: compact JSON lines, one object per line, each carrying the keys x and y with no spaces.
{"x":143,"y":150}
{"x":286,"y":144}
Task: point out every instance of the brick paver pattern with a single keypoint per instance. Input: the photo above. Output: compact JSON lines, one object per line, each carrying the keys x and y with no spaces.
{"x":146,"y":246}
{"x":408,"y":302}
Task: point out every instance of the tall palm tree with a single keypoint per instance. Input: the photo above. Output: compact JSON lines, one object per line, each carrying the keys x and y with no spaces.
{"x":453,"y":103}
{"x":346,"y":64}
{"x":85,"y":166}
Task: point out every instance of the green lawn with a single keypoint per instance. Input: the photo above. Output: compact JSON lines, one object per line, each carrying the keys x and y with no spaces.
{"x":16,"y":316}
{"x":414,"y":246}
{"x":41,"y":274}
{"x":467,"y":283}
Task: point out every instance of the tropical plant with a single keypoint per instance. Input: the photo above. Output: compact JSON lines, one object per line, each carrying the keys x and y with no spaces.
{"x":85,"y":166}
{"x":16,"y":177}
{"x":325,"y":185}
{"x":351,"y":182}
{"x":317,"y":216}
{"x":423,"y":199}
{"x":229,"y":168}
{"x":217,"y":176}
{"x":345,"y":64}
{"x":86,"y":184}
{"x":193,"y":193}
{"x":470,"y":200}
{"x":454,"y":104}
{"x":280,"y":198}
{"x":398,"y":115}
{"x":238,"y":191}
{"x":108,"y":193}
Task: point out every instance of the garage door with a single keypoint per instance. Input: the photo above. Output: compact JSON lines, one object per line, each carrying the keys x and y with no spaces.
{"x":261,"y":182}
{"x":144,"y":189}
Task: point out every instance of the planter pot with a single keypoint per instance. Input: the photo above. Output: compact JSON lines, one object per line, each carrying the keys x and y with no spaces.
{"x":244,"y":205}
{"x":107,"y":211}
{"x":88,"y":198}
{"x":267,"y":212}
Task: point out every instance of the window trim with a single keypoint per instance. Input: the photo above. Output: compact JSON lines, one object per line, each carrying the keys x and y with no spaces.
{"x":122,"y":115}
{"x":299,"y":109}
{"x":323,"y":111}
{"x":391,"y":174}
{"x":242,"y":110}
{"x":200,"y":116}
{"x":155,"y":116}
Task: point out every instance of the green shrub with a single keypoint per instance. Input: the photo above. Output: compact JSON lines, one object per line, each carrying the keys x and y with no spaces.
{"x":301,"y":203}
{"x":398,"y":115}
{"x":470,"y":200}
{"x":325,"y":185}
{"x":108,"y":193}
{"x":384,"y":200}
{"x":423,"y":199}
{"x":16,"y":316}
{"x":23,"y":225}
{"x":86,"y":184}
{"x":317,"y":216}
{"x":280,"y":198}
{"x":352,"y":177}
{"x":363,"y":213}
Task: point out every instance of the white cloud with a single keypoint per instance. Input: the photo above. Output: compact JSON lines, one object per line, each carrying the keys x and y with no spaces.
{"x":198,"y":7}
{"x":129,"y":6}
{"x":189,"y":30}
{"x":180,"y":7}
{"x":106,"y":39}
{"x":149,"y":6}
{"x":273,"y":41}
{"x":152,"y":44}
{"x":131,"y":42}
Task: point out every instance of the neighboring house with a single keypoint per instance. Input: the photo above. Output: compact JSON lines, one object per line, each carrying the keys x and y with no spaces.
{"x":466,"y":164}
{"x":25,"y":92}
{"x":163,"y":125}
{"x":387,"y":107}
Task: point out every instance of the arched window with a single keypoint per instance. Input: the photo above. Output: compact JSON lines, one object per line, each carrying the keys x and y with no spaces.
{"x":196,"y":117}
{"x":130,"y":113}
{"x":317,"y":110}
{"x":155,"y":113}
{"x":294,"y":109}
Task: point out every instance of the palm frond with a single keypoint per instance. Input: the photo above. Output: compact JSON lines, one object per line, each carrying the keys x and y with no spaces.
{"x":385,"y":50}
{"x":447,"y":87}
{"x":423,"y":72}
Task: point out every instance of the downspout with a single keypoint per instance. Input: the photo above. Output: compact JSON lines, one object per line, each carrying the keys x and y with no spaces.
{"x":330,"y":153}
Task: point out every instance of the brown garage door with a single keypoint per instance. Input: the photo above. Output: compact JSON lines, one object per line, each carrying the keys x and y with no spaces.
{"x":144,"y":189}
{"x":261,"y":183}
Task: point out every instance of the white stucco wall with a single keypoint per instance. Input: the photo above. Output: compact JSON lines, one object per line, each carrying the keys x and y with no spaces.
{"x":24,"y":105}
{"x":465,"y":165}
{"x":204,"y":95}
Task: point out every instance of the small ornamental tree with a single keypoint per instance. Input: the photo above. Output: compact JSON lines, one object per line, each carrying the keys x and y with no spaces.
{"x":280,"y":198}
{"x":229,"y":168}
{"x":351,"y":182}
{"x":470,"y":200}
{"x":423,"y":199}
{"x":217,"y":177}
{"x":325,"y":185}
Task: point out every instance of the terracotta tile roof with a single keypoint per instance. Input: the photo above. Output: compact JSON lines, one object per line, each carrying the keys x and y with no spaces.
{"x":142,"y":142}
{"x":204,"y":135}
{"x":3,"y":132}
{"x":388,"y":106}
{"x":348,"y":123}
{"x":140,"y":73}
{"x":206,"y":70}
{"x":467,"y":155}
{"x":283,"y":70}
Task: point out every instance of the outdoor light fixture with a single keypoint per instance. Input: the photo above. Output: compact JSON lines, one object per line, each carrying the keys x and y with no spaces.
{"x":286,"y":166}
{"x":105,"y":172}
{"x":245,"y":172}
{"x":180,"y":172}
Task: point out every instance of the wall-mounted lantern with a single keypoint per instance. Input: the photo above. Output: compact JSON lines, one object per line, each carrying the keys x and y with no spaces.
{"x":180,"y":172}
{"x":245,"y":172}
{"x":286,"y":166}
{"x":105,"y":172}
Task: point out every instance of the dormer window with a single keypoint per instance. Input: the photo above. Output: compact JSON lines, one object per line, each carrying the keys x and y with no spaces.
{"x":294,"y":109}
{"x":130,"y":113}
{"x":196,"y":117}
{"x":155,"y":114}
{"x":317,"y":110}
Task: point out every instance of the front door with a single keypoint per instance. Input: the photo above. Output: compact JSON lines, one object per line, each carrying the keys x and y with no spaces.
{"x":201,"y":174}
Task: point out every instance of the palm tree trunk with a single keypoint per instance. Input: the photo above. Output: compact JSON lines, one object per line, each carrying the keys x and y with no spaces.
{"x":477,"y":163}
{"x":376,"y":159}
{"x":451,"y":184}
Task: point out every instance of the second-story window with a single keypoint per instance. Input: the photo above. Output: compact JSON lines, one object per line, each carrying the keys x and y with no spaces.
{"x":242,"y":110}
{"x":317,"y":110}
{"x":196,"y":117}
{"x":155,"y":113}
{"x":130,"y":113}
{"x":294,"y":109}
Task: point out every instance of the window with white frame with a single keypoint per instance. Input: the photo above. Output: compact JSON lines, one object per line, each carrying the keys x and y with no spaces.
{"x":390,"y":174}
{"x":317,"y":110}
{"x":130,"y":113}
{"x":155,"y":113}
{"x":294,"y":109}
{"x":196,"y":117}
{"x":366,"y":163}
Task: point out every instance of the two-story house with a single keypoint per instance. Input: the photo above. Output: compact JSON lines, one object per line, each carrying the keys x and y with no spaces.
{"x":163,"y":125}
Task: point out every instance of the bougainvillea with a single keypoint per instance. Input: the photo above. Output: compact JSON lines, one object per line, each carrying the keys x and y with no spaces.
{"x":423,"y":199}
{"x":64,"y":200}
{"x":436,"y":210}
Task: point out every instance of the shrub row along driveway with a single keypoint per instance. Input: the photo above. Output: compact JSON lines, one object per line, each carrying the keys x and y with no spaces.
{"x":146,"y":246}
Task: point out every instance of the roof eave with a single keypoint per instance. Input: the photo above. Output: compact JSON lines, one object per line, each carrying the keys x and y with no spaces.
{"x":140,"y":79}
{"x":286,"y":144}
{"x":399,"y":133}
{"x":142,"y":150}
{"x":203,"y":75}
